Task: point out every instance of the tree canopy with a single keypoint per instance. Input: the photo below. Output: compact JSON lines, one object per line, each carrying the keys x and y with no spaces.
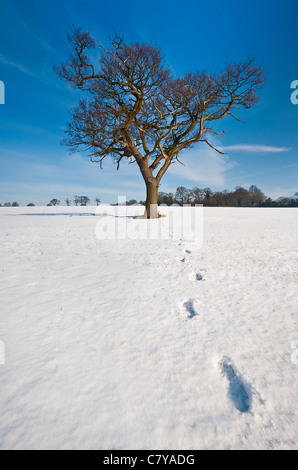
{"x":136,"y":110}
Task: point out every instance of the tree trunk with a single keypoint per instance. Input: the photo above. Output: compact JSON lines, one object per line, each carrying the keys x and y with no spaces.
{"x":151,"y":211}
{"x":152,"y":184}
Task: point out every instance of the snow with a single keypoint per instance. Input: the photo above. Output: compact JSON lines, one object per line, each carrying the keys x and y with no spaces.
{"x":148,"y":344}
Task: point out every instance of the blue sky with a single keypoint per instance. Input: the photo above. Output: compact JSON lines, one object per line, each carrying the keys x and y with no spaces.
{"x":193,"y":35}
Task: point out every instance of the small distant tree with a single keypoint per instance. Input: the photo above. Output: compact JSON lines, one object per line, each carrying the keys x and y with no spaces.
{"x":268,"y":202}
{"x":97,"y":200}
{"x":67,"y":201}
{"x":183,"y":195}
{"x":83,"y":200}
{"x":15,"y":204}
{"x":161,"y":196}
{"x":220,"y":199}
{"x":55,"y":202}
{"x":165,"y":198}
{"x":132,"y":202}
{"x":168,"y":199}
{"x":137,"y":111}
{"x":207,"y":193}
{"x":256,"y":195}
{"x":242,"y":197}
{"x":197,"y":195}
{"x":30,"y":204}
{"x":7,"y":204}
{"x":283,"y":201}
{"x":76,"y":200}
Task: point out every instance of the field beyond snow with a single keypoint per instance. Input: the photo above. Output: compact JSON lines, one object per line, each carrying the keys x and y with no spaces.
{"x":147,"y":344}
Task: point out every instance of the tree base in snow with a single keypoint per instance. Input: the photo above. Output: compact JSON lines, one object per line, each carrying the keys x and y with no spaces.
{"x":144,"y":216}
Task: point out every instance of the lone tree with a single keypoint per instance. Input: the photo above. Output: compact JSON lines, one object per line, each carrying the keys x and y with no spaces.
{"x":83,"y":200}
{"x":137,"y":111}
{"x":54,"y":202}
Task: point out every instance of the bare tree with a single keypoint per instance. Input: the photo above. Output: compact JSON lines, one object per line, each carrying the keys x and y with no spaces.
{"x":197,"y":195}
{"x":54,"y":202}
{"x":256,"y":195}
{"x":97,"y":200}
{"x":183,"y":195}
{"x":137,"y":111}
{"x":83,"y":200}
{"x":165,"y":198}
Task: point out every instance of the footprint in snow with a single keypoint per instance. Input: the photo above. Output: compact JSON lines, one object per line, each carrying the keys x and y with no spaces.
{"x":184,"y":259}
{"x":237,"y":391}
{"x":190,"y":307}
{"x":196,"y":276}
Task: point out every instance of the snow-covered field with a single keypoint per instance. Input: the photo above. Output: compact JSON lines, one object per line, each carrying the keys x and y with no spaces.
{"x":148,"y":344}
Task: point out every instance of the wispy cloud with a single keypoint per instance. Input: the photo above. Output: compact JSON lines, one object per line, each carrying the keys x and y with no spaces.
{"x":204,"y":166}
{"x":292,"y":165}
{"x":254,"y":148}
{"x":16,"y":65}
{"x":37,"y":177}
{"x":17,"y":15}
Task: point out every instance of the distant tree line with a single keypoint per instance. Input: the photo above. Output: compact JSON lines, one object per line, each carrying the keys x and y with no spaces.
{"x":77,"y":200}
{"x":15,"y":204}
{"x":10,"y":204}
{"x":240,"y":197}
